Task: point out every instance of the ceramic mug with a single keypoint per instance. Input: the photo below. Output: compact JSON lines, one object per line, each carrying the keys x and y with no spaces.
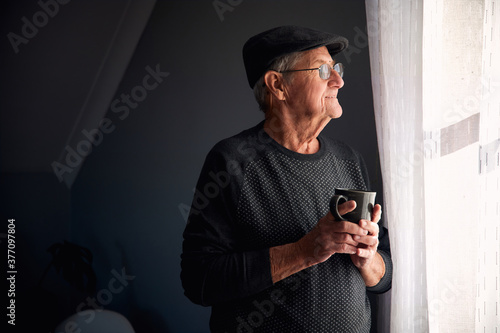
{"x":365,"y":200}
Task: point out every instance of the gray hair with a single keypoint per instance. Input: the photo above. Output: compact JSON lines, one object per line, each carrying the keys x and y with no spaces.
{"x":283,"y":63}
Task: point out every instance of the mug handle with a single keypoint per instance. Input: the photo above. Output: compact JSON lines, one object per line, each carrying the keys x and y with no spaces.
{"x":334,"y":202}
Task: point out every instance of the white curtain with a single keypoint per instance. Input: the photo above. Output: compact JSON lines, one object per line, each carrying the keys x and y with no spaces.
{"x":436,"y":83}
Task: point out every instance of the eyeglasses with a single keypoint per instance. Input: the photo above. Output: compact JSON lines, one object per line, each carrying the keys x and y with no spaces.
{"x":325,"y":70}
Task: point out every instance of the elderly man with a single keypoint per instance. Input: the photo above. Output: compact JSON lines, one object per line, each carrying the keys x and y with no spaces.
{"x":261,"y":246}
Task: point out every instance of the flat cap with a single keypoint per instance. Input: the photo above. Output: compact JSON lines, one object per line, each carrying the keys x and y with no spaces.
{"x":261,"y":50}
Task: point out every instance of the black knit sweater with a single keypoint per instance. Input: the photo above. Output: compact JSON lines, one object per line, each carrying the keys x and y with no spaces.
{"x":254,"y":194}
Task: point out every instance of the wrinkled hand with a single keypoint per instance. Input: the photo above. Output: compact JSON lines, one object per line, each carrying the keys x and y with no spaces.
{"x":367,"y":245}
{"x":329,"y":237}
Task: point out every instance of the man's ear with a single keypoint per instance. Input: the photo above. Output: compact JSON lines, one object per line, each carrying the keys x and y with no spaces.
{"x":274,"y":82}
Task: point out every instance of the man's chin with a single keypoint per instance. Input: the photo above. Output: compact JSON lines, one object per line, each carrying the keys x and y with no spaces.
{"x":336,"y":113}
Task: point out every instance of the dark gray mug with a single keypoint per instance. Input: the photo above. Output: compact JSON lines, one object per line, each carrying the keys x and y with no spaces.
{"x":365,"y":201}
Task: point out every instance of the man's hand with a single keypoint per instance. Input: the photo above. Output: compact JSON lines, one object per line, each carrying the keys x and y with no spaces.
{"x":367,"y":247}
{"x":330,"y":236}
{"x":325,"y":239}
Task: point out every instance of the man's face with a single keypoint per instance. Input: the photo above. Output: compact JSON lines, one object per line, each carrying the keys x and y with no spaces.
{"x":308,"y":95}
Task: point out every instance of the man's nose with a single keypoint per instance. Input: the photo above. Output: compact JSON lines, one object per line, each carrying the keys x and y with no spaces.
{"x":335,"y":80}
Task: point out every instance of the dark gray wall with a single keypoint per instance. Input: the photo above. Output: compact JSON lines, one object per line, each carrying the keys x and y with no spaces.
{"x":129,"y":200}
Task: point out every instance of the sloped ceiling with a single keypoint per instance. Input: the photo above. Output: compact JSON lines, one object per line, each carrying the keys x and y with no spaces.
{"x":62,"y":63}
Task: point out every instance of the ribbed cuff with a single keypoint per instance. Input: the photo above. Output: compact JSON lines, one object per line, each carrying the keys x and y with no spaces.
{"x":385,"y":282}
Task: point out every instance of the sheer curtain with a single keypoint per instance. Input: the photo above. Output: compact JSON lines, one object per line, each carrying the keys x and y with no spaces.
{"x":436,"y":84}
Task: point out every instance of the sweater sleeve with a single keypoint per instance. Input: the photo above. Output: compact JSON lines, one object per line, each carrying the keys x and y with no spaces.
{"x":214,"y":269}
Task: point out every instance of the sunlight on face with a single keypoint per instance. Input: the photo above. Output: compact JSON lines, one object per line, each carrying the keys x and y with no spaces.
{"x":308,"y":95}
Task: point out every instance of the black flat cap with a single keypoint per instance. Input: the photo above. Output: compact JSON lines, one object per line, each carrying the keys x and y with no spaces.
{"x":262,"y":49}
